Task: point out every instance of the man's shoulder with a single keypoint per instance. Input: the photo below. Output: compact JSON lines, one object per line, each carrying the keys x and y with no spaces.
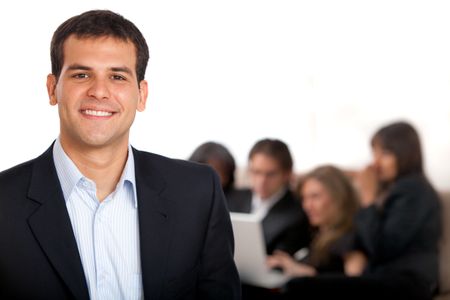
{"x":163,"y":161}
{"x":14,"y":185}
{"x":22,"y":172}
{"x":179,"y":179}
{"x":16,"y":173}
{"x":289,"y":199}
{"x":289,"y":204}
{"x":170,"y":167}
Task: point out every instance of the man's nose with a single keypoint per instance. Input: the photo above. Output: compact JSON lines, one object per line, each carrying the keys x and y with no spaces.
{"x":99,"y":89}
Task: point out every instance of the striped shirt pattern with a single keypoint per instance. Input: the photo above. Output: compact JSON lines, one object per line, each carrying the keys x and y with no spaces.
{"x":107,"y":232}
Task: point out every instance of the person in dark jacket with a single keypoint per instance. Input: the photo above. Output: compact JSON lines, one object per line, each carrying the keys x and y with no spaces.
{"x":222,"y":161}
{"x":284,"y":223}
{"x":330,"y":203}
{"x":95,"y":218}
{"x":398,"y":227}
{"x":283,"y":220}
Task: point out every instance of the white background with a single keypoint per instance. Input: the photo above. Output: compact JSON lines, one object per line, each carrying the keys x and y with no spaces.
{"x":320,"y":75}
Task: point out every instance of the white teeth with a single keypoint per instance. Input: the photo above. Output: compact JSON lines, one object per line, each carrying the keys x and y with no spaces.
{"x":97,"y":113}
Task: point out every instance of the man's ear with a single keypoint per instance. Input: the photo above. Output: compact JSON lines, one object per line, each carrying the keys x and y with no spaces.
{"x":143,"y":94}
{"x":51,"y":87}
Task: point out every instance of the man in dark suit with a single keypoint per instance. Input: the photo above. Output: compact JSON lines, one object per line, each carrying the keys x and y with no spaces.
{"x":93,"y":217}
{"x":284,"y":223}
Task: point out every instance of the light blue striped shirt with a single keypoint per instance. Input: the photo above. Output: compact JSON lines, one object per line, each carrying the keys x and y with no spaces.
{"x":107,"y":232}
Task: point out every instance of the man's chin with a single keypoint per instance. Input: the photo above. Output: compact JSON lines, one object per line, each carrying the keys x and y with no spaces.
{"x":264,"y":196}
{"x":95,"y":142}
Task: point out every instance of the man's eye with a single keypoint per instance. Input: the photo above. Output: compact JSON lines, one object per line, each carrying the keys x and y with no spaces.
{"x":80,"y":76}
{"x":118,"y":77}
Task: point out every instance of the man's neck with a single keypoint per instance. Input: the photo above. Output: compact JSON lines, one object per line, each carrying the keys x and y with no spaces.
{"x":103,"y":165}
{"x":275,"y":196}
{"x":264,"y":204}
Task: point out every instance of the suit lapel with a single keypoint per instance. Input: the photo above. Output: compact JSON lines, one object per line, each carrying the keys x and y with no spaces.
{"x":275,"y":222}
{"x":51,"y":226}
{"x":153,"y":225}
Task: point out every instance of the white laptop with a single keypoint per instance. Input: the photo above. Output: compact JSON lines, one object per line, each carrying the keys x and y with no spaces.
{"x":250,"y":252}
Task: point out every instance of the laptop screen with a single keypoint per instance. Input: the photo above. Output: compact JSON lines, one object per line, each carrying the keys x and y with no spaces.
{"x":250,"y":252}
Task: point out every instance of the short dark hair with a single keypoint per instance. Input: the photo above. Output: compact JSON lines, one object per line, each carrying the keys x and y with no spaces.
{"x":210,"y":151}
{"x":99,"y":23}
{"x":403,"y":141}
{"x":275,"y":149}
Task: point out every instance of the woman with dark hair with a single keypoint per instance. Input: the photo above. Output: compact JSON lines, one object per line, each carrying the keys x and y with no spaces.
{"x":399,"y":226}
{"x":330,"y":203}
{"x":218,"y":157}
{"x":397,"y":153}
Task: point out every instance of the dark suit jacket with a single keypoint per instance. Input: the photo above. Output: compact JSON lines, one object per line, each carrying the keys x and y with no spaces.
{"x":402,"y":236}
{"x":285,"y":226}
{"x":186,"y":239}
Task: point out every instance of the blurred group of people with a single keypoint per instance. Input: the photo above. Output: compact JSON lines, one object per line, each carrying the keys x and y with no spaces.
{"x":368,"y":234}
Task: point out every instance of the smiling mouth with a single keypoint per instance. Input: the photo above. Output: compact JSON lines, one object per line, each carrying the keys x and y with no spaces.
{"x":96,"y":113}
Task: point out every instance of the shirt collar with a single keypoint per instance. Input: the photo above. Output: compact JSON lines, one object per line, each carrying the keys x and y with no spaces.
{"x":129,"y":176}
{"x":266,"y":204}
{"x":69,"y":175}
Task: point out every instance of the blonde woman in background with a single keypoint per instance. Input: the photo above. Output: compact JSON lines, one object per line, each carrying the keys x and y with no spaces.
{"x":398,"y":227}
{"x":330,"y":203}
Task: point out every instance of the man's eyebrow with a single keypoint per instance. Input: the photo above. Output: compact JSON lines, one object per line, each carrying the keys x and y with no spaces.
{"x":86,"y":68}
{"x":122,"y":69}
{"x":78,"y":67}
